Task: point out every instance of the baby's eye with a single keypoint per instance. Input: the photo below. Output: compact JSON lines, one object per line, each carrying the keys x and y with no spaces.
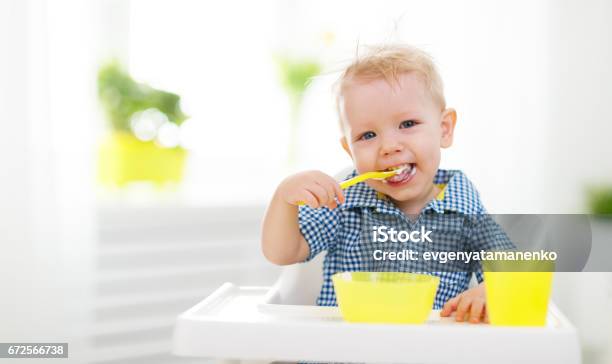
{"x":367,"y":135}
{"x":407,"y":124}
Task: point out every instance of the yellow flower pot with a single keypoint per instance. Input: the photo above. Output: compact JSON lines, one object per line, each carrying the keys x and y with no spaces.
{"x":123,"y":159}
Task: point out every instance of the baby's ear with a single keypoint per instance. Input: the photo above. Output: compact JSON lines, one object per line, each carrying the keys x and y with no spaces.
{"x":345,"y":146}
{"x":447,"y":123}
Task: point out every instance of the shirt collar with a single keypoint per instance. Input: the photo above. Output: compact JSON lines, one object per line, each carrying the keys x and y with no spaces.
{"x":459,"y":195}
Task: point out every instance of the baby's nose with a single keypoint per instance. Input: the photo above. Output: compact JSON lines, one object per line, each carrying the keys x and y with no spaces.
{"x":391,"y":147}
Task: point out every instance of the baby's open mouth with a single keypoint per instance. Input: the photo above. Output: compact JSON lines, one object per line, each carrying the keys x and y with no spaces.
{"x":406,"y":171}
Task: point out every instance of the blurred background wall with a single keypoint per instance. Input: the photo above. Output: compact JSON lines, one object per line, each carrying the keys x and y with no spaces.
{"x":108,"y":268}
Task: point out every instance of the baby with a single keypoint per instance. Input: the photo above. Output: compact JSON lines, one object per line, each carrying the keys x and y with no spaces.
{"x":393,"y":115}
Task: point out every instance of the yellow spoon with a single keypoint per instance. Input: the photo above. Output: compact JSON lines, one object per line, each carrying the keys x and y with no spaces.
{"x":370,"y":175}
{"x":366,"y":176}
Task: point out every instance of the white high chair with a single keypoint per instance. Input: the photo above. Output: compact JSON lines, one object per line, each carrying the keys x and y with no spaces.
{"x":264,"y":324}
{"x":300,"y":284}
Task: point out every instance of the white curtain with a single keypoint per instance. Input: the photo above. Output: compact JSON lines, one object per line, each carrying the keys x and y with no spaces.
{"x":48,"y":117}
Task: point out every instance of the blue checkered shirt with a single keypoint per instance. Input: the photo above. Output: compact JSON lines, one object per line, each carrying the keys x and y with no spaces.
{"x":339,"y":232}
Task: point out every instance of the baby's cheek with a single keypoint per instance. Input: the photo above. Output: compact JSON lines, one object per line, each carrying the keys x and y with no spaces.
{"x":363,"y":164}
{"x":358,"y":167}
{"x":431,"y":157}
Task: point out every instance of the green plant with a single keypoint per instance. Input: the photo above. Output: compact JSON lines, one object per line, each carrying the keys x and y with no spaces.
{"x":599,"y":199}
{"x":122,"y":96}
{"x":137,"y":114}
{"x":295,"y":74}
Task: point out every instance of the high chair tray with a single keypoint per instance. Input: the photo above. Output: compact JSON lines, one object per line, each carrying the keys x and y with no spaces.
{"x":241,"y":323}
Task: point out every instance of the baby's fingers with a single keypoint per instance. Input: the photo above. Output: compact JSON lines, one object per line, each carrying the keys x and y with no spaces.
{"x":321,"y":194}
{"x":330,"y":194}
{"x":333,"y":191}
{"x":477,"y":309}
{"x":462,"y":309}
{"x":309,"y":199}
{"x":338,"y":191}
{"x":450,"y":306}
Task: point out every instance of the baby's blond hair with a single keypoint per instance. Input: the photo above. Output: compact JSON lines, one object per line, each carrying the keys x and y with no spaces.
{"x":388,"y":62}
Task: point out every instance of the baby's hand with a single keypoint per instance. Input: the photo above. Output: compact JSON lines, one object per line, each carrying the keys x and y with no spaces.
{"x":313,"y":188}
{"x":470,"y":305}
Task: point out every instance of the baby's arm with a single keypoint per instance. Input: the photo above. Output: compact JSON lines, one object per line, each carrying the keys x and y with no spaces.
{"x":281,"y":240}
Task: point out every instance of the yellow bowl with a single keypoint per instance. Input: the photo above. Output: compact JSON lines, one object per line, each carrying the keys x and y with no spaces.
{"x":385,"y":297}
{"x":518,"y":292}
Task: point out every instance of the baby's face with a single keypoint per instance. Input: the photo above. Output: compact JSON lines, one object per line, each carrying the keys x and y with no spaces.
{"x":396,"y":126}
